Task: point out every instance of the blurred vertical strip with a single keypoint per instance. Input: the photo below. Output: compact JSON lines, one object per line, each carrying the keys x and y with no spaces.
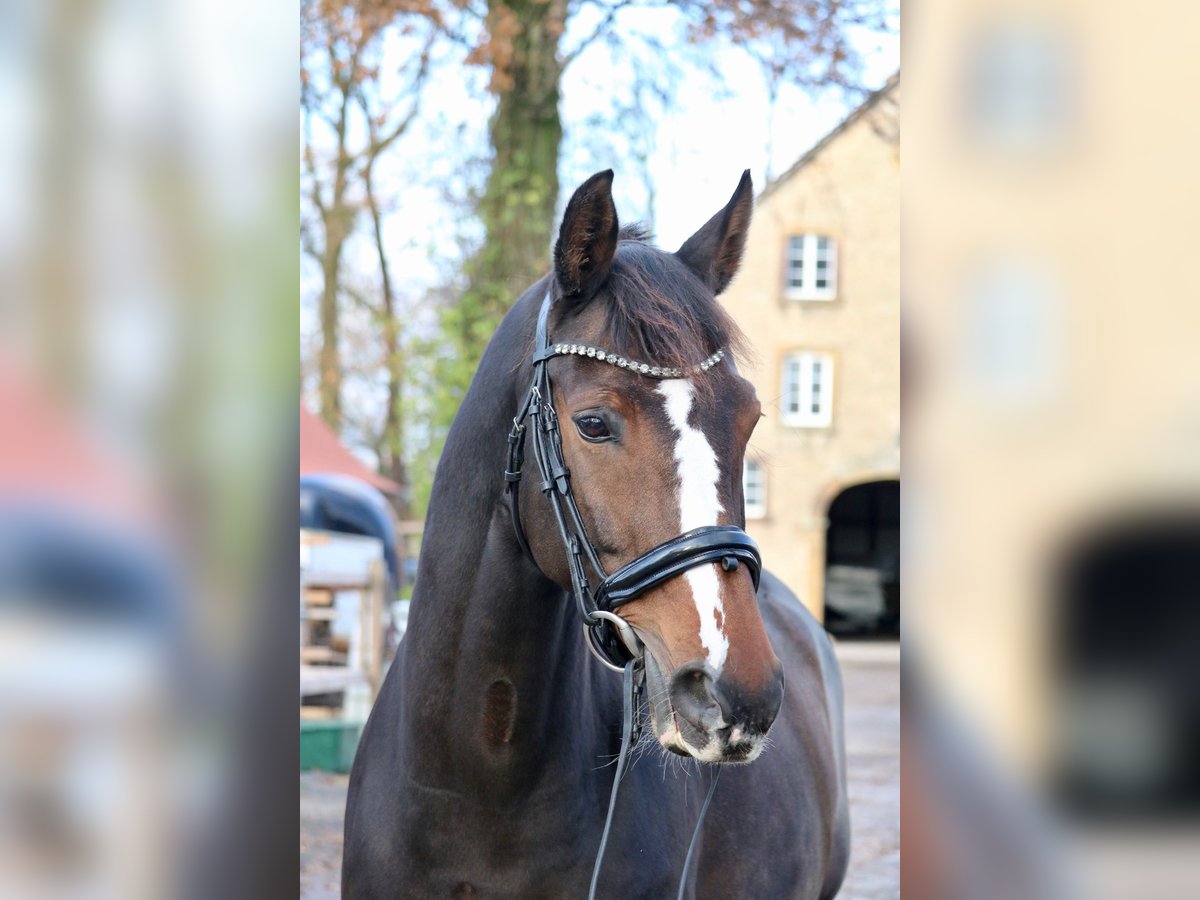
{"x":148,"y":384}
{"x":1052,"y":441}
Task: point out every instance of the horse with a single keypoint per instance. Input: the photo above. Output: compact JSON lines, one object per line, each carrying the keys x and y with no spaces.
{"x":487,"y":765}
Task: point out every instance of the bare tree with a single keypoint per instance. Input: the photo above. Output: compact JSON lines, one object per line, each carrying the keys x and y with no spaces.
{"x":385,"y":126}
{"x":340,"y":75}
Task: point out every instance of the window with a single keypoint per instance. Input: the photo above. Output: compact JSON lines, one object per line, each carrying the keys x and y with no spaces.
{"x":754,"y":489}
{"x":811,"y":267}
{"x":808,"y":390}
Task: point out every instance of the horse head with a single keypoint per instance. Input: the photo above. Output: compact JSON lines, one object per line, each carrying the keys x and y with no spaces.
{"x":654,"y":442}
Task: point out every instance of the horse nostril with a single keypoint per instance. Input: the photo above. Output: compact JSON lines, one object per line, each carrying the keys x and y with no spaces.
{"x":704,"y":705}
{"x":693,"y":697}
{"x":753,"y":710}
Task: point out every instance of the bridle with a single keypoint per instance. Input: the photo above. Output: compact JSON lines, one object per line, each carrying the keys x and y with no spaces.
{"x":609,"y":637}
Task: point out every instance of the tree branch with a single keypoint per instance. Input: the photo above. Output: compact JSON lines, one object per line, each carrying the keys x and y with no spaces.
{"x":606,"y":23}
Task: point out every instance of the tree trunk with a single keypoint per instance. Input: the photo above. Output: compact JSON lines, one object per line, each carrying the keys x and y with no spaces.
{"x":338,"y":221}
{"x":391,"y":441}
{"x":526,"y":133}
{"x":518,"y":204}
{"x":329,"y":360}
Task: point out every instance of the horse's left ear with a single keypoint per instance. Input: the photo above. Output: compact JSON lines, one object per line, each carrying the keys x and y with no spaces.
{"x":587,"y":240}
{"x":715,"y":251}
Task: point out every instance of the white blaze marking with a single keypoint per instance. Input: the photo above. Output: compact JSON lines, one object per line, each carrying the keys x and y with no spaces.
{"x":698,"y":505}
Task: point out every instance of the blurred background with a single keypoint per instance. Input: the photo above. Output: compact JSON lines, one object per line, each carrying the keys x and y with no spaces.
{"x":148,"y":378}
{"x":1052,"y":455}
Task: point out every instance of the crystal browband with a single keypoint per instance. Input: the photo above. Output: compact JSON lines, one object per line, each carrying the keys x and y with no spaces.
{"x":614,"y":359}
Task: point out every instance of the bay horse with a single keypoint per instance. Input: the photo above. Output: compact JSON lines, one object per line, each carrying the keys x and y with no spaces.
{"x":486,"y":768}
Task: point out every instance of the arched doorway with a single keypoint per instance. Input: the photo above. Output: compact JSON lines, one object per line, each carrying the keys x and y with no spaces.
{"x":1126,"y":721}
{"x":862,"y":561}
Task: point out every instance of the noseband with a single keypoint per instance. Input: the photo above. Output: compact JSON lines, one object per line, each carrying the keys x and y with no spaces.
{"x":609,"y":636}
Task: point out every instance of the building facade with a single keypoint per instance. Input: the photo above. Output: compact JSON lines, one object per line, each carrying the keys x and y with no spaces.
{"x":818,"y":295}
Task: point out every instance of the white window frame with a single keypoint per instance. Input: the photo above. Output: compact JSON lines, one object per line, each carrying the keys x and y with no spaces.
{"x":757,"y":508}
{"x":807,"y":377}
{"x":806,"y":249}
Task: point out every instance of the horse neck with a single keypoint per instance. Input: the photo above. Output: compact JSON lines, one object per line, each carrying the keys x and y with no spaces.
{"x":495,"y":670}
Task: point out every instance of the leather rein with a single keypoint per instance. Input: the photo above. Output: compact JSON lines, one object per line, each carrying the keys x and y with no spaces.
{"x":609,"y":637}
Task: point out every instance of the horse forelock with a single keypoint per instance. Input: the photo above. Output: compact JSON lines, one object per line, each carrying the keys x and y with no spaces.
{"x":656,"y":309}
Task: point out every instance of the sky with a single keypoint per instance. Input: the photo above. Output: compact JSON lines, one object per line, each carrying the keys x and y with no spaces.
{"x":706,"y":141}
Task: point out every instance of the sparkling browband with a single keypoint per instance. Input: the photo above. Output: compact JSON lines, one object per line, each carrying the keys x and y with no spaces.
{"x":621,"y":362}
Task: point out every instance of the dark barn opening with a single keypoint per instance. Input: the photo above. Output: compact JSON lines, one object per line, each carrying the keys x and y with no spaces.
{"x":1127,"y":687}
{"x":862,"y":562}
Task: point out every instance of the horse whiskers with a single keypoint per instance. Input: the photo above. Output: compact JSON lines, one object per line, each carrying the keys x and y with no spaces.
{"x":609,"y":764}
{"x":645,"y":739}
{"x":644,"y":743}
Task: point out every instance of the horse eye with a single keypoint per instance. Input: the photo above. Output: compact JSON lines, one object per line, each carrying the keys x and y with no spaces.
{"x":592,"y":428}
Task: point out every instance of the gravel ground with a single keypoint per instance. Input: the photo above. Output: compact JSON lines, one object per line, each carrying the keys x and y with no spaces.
{"x":322,"y":803}
{"x":872,"y":677}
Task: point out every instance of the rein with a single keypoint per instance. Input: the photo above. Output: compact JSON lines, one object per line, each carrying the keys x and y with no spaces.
{"x":609,"y":637}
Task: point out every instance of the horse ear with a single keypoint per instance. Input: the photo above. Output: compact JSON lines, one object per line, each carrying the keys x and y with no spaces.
{"x":715,"y":251}
{"x":587,"y":240}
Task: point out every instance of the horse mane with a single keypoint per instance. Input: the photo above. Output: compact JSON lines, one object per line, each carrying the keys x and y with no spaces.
{"x":636,"y":231}
{"x":659,"y":311}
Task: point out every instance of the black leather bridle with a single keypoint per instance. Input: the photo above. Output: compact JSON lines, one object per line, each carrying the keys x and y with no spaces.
{"x":609,"y":637}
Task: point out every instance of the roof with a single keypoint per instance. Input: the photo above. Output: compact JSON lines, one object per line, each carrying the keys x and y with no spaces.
{"x":321,"y":451}
{"x":48,"y":457}
{"x":857,"y":113}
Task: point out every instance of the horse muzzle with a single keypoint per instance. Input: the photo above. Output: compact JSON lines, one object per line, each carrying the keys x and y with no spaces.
{"x":712,"y":719}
